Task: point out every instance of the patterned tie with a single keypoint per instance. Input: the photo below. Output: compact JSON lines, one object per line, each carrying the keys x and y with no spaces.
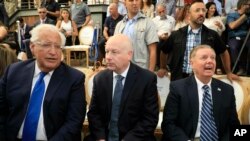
{"x":33,"y":112}
{"x":208,"y":128}
{"x":113,"y":125}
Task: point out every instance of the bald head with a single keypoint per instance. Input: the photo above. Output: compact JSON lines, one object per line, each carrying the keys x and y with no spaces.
{"x":118,"y":53}
{"x":113,"y":9}
{"x":113,"y":5}
{"x":122,"y":41}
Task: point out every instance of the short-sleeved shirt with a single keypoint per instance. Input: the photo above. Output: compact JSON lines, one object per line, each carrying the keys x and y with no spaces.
{"x":240,"y":31}
{"x":144,"y":34}
{"x":79,"y":12}
{"x":110,"y":23}
{"x":164,"y":25}
{"x":53,"y":7}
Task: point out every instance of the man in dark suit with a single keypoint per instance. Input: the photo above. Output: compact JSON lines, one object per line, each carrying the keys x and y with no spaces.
{"x":43,"y":19}
{"x":63,"y":103}
{"x":24,"y":32}
{"x":138,"y":110}
{"x":182,"y":117}
{"x":179,"y":44}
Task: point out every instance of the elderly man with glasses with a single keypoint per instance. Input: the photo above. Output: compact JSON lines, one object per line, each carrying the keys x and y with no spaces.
{"x":45,"y":100}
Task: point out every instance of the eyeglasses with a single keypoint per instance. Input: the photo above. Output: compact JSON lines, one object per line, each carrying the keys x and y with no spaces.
{"x":48,"y":45}
{"x":40,"y":12}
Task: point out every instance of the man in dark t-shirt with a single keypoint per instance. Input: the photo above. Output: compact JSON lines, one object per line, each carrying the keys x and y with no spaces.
{"x":53,"y":9}
{"x":109,"y":28}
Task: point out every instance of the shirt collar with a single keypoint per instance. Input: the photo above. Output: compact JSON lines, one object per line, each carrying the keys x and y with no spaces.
{"x":195,"y":31}
{"x":37,"y":70}
{"x":124,"y":74}
{"x":200,"y":84}
{"x":43,"y":20}
{"x":135,"y":18}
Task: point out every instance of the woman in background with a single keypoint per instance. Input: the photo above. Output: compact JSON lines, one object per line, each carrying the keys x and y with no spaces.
{"x":7,"y":57}
{"x":182,"y":17}
{"x":67,"y":26}
{"x":213,"y":19}
{"x":147,"y":8}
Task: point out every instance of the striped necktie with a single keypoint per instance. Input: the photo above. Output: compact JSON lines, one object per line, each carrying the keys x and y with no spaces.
{"x":33,"y":112}
{"x":208,"y":128}
{"x":113,"y":125}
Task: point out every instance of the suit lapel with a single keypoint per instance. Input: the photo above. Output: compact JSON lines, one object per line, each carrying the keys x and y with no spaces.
{"x":216,"y":96}
{"x":192,"y":92}
{"x":28,"y":75}
{"x":183,"y":39}
{"x":55,"y":81}
{"x":130,"y":80}
{"x":109,"y":89}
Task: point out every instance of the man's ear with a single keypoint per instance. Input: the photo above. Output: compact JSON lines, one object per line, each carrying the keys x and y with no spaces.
{"x":191,"y":63}
{"x":32,"y":47}
{"x":130,"y":54}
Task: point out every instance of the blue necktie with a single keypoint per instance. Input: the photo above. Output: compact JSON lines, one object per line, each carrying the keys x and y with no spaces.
{"x":208,"y":128}
{"x":33,"y":112}
{"x":113,"y":125}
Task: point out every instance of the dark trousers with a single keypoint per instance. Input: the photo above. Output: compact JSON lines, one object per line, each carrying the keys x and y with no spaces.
{"x":160,"y":45}
{"x":101,"y":48}
{"x":235,"y":46}
{"x":77,"y":41}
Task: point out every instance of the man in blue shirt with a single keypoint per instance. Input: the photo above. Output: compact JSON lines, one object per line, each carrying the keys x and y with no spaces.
{"x":238,"y":23}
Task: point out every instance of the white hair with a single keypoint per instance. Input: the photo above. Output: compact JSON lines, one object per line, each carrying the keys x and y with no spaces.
{"x":35,"y":32}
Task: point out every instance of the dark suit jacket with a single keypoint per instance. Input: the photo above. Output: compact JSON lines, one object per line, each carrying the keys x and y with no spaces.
{"x":139,"y":109}
{"x":180,"y":117}
{"x":27,"y":32}
{"x":175,"y":47}
{"x":47,"y":21}
{"x":64,"y":104}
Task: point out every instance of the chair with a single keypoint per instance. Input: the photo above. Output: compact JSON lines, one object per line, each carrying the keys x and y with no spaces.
{"x":163,"y":90}
{"x":86,"y":39}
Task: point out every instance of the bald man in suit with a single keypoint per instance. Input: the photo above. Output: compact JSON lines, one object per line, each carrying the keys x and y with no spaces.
{"x":138,"y":111}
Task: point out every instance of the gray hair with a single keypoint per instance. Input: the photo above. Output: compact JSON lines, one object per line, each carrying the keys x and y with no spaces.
{"x":35,"y":32}
{"x":195,"y":49}
{"x":162,"y":4}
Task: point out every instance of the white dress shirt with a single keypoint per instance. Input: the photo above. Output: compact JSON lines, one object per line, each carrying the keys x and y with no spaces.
{"x":200,"y":95}
{"x":41,"y":133}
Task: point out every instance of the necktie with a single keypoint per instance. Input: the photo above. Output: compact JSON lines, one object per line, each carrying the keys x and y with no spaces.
{"x":208,"y":128}
{"x":33,"y":112}
{"x":113,"y":125}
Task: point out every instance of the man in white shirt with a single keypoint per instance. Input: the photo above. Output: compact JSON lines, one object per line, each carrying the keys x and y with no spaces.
{"x":164,"y":26}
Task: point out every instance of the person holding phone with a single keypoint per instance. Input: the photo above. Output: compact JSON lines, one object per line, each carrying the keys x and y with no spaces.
{"x":164,"y":26}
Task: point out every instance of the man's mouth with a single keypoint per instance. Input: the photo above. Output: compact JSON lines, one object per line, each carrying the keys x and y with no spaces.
{"x":208,"y":68}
